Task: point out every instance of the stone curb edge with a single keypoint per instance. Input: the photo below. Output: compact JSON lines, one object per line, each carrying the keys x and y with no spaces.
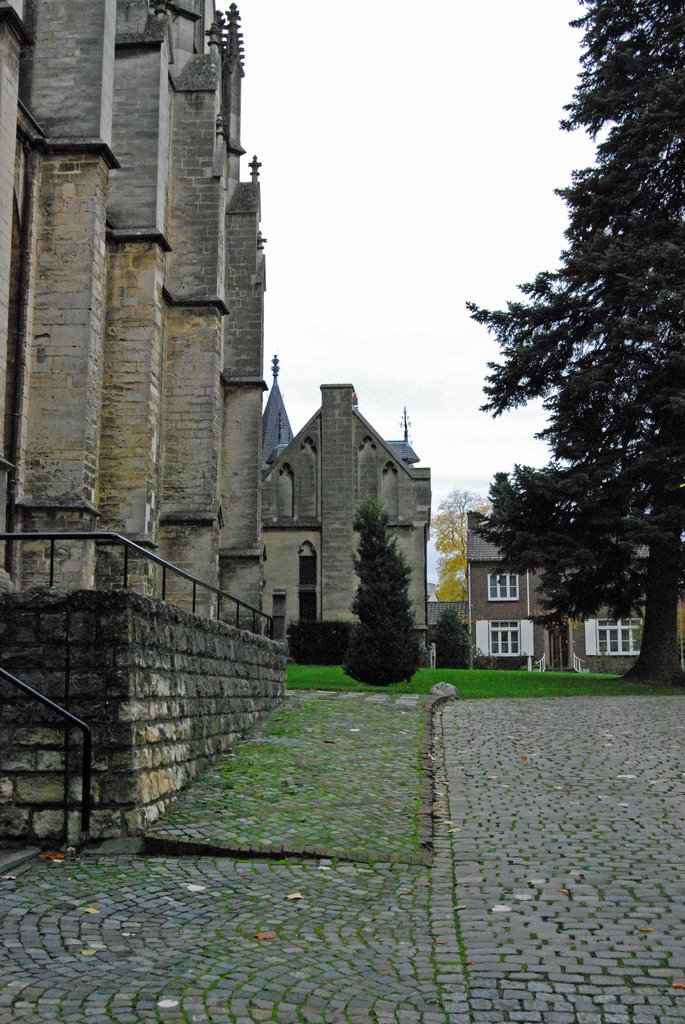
{"x":426,"y":809}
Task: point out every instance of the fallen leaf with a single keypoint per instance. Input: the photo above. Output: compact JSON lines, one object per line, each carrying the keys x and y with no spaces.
{"x":331,"y":741}
{"x":645,"y":929}
{"x":295,"y":896}
{"x":677,"y":984}
{"x":91,"y":910}
{"x":88,"y":952}
{"x":196,"y":888}
{"x":524,"y":757}
{"x":58,"y":855}
{"x":265,"y":935}
{"x":439,"y":942}
{"x":564,"y":890}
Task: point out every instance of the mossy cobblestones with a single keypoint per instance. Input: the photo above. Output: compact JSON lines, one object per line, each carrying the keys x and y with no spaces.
{"x":355,"y":948}
{"x":331,"y":774}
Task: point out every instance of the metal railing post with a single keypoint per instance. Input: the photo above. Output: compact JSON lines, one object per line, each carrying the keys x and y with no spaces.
{"x":130,"y":547}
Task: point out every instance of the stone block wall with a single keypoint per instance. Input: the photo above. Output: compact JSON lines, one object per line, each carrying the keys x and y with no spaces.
{"x":164,"y":691}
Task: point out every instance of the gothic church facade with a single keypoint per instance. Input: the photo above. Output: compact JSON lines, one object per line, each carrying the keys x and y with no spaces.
{"x":312,"y":485}
{"x":131,"y":288}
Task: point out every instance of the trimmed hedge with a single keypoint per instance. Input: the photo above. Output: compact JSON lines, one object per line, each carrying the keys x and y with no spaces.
{"x":319,"y":643}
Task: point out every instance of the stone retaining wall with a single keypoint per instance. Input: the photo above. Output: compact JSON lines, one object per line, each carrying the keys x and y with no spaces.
{"x":163,"y":690}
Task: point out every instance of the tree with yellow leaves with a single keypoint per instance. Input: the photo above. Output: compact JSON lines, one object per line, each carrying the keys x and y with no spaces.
{"x":449,"y":527}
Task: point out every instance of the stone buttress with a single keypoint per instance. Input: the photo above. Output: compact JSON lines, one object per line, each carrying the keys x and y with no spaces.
{"x":131,"y":290}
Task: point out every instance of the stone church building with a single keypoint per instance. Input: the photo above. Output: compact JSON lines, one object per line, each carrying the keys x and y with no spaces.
{"x":131,"y":288}
{"x":312,"y":484}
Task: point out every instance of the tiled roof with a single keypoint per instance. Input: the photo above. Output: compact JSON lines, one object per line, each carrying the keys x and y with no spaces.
{"x":436,"y":608}
{"x":478,"y":549}
{"x":403,"y":451}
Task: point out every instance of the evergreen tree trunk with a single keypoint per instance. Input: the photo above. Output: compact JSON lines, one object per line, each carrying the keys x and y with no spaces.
{"x":658,"y":659}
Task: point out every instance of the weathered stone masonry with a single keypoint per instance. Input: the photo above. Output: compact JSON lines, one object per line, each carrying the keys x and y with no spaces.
{"x":131,"y":287}
{"x":163,"y":690}
{"x":131,"y":329}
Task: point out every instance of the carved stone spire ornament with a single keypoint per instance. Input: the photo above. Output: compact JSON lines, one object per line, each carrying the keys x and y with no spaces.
{"x":215,"y":31}
{"x":254,"y":169}
{"x":233,"y":46}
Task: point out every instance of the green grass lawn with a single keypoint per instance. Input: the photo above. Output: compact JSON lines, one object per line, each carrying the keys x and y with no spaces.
{"x":473,"y":683}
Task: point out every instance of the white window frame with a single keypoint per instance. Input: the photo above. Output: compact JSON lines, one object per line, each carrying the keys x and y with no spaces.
{"x":617,"y":637}
{"x":503,"y":586}
{"x":505,"y":633}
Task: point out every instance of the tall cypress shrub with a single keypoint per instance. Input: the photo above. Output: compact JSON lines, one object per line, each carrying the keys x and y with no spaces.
{"x":385,"y":647}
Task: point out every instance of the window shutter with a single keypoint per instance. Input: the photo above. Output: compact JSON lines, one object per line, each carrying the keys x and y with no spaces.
{"x":590,"y":636}
{"x":483,"y":636}
{"x":527,"y":637}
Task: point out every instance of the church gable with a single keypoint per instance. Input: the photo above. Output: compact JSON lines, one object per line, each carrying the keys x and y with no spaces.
{"x":299,"y":462}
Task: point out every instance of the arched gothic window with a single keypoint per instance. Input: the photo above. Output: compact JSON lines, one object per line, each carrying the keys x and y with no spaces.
{"x":308,"y":489}
{"x":286,"y":490}
{"x":366,"y":469}
{"x":307,"y":581}
{"x":390,"y":489}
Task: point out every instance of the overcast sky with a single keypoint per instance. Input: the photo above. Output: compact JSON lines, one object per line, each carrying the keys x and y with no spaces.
{"x":409,"y":156}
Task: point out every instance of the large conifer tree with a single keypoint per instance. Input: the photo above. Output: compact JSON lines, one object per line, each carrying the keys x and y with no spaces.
{"x":602,"y":341}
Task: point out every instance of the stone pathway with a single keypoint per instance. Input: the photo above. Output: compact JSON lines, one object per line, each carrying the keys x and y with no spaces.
{"x":556,"y":895}
{"x":567,"y":837}
{"x":332,"y":774}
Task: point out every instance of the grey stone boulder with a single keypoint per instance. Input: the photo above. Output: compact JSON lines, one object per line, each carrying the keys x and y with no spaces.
{"x":445,"y":690}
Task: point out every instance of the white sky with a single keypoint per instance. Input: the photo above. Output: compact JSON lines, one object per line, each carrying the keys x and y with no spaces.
{"x":409,"y":156}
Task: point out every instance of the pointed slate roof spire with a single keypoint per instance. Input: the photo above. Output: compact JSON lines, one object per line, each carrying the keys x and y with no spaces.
{"x":276,"y":430}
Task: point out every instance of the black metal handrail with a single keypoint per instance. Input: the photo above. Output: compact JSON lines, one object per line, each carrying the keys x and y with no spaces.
{"x":129,"y":545}
{"x":87,"y":742}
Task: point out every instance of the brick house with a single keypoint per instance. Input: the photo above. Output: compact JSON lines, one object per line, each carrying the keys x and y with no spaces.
{"x":502,"y":608}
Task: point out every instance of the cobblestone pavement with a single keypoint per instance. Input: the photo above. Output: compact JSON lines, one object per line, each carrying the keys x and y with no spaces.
{"x":567,"y":826}
{"x":139,"y":940}
{"x":314,"y":776}
{"x":556,"y":896}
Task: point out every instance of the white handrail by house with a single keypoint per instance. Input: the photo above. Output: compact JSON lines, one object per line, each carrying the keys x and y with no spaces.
{"x":541,"y":665}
